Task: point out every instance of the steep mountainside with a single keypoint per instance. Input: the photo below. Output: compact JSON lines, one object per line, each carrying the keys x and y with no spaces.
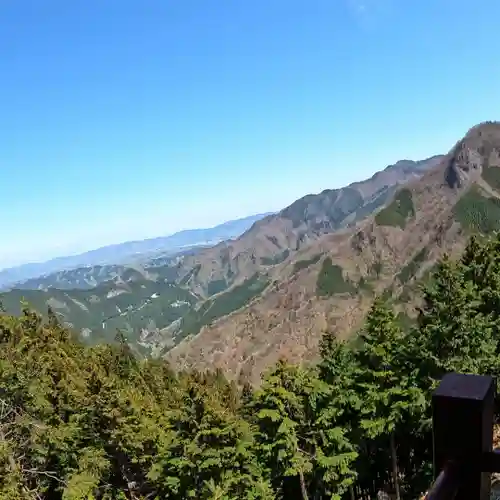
{"x":275,"y":238}
{"x":130,"y":251}
{"x":331,"y":282}
{"x":160,"y":303}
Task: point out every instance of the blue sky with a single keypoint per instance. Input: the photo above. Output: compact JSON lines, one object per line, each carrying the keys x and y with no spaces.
{"x":124,"y":119}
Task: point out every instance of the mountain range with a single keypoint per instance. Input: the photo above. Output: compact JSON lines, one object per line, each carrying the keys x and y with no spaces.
{"x":122,"y":253}
{"x":330,"y":283}
{"x":316,"y":265}
{"x":169,"y":296}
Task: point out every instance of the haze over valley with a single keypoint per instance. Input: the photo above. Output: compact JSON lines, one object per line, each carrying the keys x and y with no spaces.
{"x":153,"y":250}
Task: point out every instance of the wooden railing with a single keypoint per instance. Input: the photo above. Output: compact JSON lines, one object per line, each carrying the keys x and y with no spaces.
{"x":463,"y":408}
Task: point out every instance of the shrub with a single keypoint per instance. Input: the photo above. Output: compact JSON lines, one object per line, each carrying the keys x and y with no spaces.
{"x":223,"y":304}
{"x":305,"y":263}
{"x":331,"y":280}
{"x":412,"y":267}
{"x":477,"y":212}
{"x":492,"y":176}
{"x":398,"y":211}
{"x":216,"y":286}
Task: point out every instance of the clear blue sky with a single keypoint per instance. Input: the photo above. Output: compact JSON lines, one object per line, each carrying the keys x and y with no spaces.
{"x":124,"y":119}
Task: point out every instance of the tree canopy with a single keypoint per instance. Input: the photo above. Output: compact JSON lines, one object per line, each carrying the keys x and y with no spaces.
{"x":95,"y":422}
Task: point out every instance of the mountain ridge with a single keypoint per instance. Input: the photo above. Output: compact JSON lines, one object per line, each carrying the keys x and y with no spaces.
{"x":160,"y":305}
{"x":386,"y":254}
{"x":271,"y":240}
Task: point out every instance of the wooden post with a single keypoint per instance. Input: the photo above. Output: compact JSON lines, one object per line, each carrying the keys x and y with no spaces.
{"x":463,"y":408}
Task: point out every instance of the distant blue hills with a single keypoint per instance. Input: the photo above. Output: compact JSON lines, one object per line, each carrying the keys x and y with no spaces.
{"x":131,"y":250}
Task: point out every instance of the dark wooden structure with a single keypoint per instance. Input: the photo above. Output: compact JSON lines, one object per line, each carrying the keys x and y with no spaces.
{"x":463,"y":413}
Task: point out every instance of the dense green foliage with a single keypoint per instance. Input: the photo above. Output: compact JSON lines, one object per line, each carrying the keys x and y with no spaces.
{"x":93,"y":422}
{"x":331,"y":280}
{"x":365,"y":285}
{"x":223,"y":304}
{"x":492,"y":176}
{"x":216,"y":286}
{"x":477,"y":212}
{"x":398,"y":211}
{"x":411,"y":269}
{"x":128,"y":306}
{"x":305,"y":263}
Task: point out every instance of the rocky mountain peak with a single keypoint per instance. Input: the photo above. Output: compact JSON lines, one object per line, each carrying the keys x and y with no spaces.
{"x":478,"y":149}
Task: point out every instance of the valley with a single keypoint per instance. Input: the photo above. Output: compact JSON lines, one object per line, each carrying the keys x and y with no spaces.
{"x":173,"y":296}
{"x":272,"y":292}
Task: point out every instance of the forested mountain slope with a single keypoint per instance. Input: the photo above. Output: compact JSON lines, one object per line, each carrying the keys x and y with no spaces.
{"x":331,"y":282}
{"x":159,"y":302}
{"x":275,"y":238}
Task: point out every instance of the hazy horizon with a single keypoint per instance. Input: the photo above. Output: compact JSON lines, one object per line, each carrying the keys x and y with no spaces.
{"x":121,"y":242}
